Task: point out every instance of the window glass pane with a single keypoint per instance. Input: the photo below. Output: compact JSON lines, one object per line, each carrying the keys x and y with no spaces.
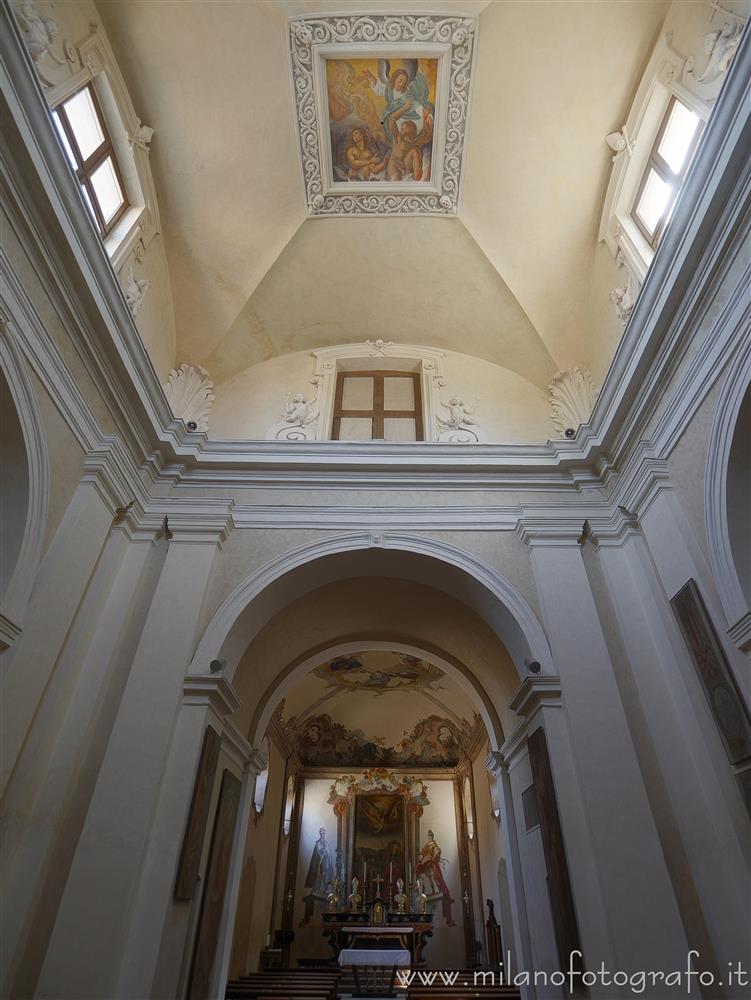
{"x":358,"y":394}
{"x":398,"y":393}
{"x":399,"y":429}
{"x":107,"y":189}
{"x":653,"y":201}
{"x":63,"y":139}
{"x":84,"y":122}
{"x":679,"y":133}
{"x":356,"y":429}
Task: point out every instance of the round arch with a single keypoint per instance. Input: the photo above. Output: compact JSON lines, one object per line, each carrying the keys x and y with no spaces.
{"x":461,"y":676}
{"x":725,"y":511}
{"x":31,"y":515}
{"x":452,"y":569}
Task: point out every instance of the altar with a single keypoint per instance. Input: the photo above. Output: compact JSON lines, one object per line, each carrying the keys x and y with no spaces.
{"x":402,"y":935}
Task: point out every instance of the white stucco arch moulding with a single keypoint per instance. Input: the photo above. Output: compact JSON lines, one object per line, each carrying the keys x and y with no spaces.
{"x":521,"y":632}
{"x":734,"y":601}
{"x":466,"y":681}
{"x":18,"y":591}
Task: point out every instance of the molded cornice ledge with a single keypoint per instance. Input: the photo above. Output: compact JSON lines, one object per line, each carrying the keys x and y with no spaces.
{"x":535,"y":691}
{"x":555,"y":529}
{"x":198,"y":519}
{"x":613,"y":530}
{"x":213,"y":691}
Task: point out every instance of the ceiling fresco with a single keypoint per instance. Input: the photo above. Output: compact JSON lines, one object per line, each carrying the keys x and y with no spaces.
{"x":378,"y":708}
{"x":379,"y":672}
{"x":382,"y":102}
{"x":433,"y":742}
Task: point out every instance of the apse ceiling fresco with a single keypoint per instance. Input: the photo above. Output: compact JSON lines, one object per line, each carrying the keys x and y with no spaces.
{"x":382,"y":103}
{"x":378,"y":708}
{"x":379,"y":672}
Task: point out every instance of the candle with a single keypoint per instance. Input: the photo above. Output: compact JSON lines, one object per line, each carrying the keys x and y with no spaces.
{"x":410,"y":873}
{"x":364,"y":871}
{"x":391,"y":875}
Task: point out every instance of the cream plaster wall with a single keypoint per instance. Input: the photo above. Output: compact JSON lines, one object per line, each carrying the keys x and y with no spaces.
{"x":213,"y":80}
{"x":401,"y":279}
{"x":549,"y":157}
{"x":508,"y":407}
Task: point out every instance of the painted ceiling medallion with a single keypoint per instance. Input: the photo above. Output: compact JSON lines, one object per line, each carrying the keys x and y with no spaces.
{"x":379,"y":672}
{"x":382,"y":103}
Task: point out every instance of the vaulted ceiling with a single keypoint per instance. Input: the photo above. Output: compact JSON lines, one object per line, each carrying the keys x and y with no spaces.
{"x":509,"y":280}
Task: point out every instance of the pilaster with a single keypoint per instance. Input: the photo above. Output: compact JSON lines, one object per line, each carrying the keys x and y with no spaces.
{"x":124,"y":803}
{"x":621,"y":837}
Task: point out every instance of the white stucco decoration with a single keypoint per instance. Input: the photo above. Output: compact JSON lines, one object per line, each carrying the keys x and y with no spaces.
{"x":624,"y":297}
{"x":299,"y":419}
{"x":618,"y":142}
{"x":188,"y":392}
{"x":457,"y":425}
{"x":720,"y":45}
{"x":329,"y":361}
{"x":134,"y":289}
{"x":450,"y":39}
{"x":572,"y":398}
{"x":39,"y":34}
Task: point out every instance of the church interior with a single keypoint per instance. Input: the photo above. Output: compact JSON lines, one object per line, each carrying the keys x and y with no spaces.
{"x":375,"y":578}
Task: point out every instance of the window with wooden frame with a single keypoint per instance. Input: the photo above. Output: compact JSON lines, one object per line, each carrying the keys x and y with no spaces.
{"x":377,"y":405}
{"x":88,"y":147}
{"x":666,"y":170}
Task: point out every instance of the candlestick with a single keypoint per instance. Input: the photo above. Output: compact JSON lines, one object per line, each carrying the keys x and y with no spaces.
{"x":391,"y":875}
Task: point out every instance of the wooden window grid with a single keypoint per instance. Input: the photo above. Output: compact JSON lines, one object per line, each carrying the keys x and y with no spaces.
{"x":377,"y":414}
{"x":86,"y":167}
{"x":664,"y":172}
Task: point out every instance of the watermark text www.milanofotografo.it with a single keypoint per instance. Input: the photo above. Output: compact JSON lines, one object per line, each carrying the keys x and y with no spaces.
{"x":688,"y":980}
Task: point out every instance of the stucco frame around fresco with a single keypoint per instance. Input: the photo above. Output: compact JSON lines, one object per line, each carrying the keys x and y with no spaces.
{"x":449,"y":40}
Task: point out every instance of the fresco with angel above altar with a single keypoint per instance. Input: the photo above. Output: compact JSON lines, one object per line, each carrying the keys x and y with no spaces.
{"x":381,"y":119}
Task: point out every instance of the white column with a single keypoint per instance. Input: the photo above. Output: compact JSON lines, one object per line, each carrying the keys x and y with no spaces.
{"x":702,"y":812}
{"x":103,"y":879}
{"x":626,"y":849}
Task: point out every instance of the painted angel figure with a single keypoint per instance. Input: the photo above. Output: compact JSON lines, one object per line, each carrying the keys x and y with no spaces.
{"x":459,"y":415}
{"x":407,"y":96}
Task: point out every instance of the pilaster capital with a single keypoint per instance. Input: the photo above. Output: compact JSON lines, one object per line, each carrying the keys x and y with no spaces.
{"x":535,"y":691}
{"x":113,"y":473}
{"x":495,"y":763}
{"x":212,"y":691}
{"x":612,"y":529}
{"x":258,"y":760}
{"x":191,"y":521}
{"x":551,"y":531}
{"x":644,"y":477}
